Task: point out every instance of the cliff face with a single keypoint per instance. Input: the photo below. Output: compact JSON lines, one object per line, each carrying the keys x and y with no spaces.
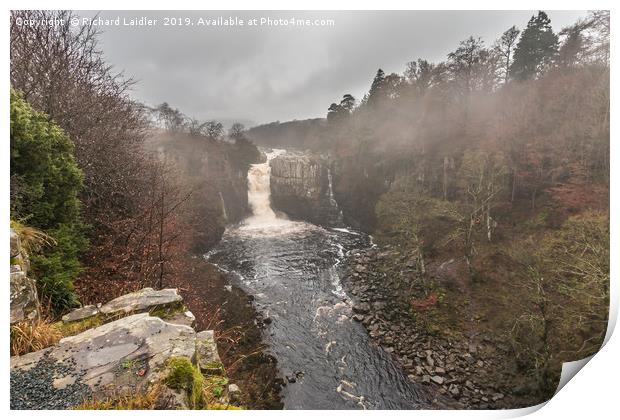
{"x":328,"y":192}
{"x":357,"y":187}
{"x":216,"y":174}
{"x":301,"y":187}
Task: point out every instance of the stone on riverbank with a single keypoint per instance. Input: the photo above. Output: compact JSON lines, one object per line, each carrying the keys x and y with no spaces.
{"x":142,"y":300}
{"x":81,"y":313}
{"x":460,"y":370}
{"x":207,"y":356}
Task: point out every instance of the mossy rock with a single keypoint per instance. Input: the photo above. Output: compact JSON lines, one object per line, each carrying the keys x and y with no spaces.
{"x":207,"y":357}
{"x":203,"y":391}
{"x":76,"y":327}
{"x":170,"y":309}
{"x":183,"y":375}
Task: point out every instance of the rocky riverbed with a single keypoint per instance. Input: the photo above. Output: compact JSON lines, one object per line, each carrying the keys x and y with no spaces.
{"x":469,"y":369}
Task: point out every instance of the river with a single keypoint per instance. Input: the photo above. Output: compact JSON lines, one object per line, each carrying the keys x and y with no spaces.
{"x":292,"y":270}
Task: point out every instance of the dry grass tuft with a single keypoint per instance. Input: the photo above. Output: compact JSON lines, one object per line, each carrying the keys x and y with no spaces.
{"x":150,"y":400}
{"x":31,"y":239}
{"x":32,"y":336}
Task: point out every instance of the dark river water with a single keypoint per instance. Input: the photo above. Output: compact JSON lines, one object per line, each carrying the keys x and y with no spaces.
{"x":292,"y":270}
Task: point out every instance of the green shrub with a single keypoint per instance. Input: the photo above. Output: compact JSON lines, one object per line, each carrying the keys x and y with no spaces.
{"x":45,"y":183}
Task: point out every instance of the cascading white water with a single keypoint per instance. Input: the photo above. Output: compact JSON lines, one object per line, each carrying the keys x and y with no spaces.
{"x":332,"y":199}
{"x":224,"y":212}
{"x":259,"y":195}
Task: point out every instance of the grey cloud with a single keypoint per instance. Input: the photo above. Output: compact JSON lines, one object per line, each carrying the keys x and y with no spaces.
{"x":280,"y":73}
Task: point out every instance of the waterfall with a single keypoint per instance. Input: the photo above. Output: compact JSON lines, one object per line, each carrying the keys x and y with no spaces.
{"x":259,"y":194}
{"x":224,"y":212}
{"x":332,"y":200}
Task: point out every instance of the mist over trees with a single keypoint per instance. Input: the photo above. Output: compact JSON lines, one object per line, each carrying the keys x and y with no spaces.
{"x":498,"y":153}
{"x":505,"y":151}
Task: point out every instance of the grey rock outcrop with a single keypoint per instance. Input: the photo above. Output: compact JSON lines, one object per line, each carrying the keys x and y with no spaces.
{"x":142,"y":300}
{"x":166,"y":302}
{"x":81,"y":313}
{"x":182,"y":318}
{"x":207,"y":356}
{"x":24,"y":301}
{"x":301,"y":188}
{"x":119,"y":357}
{"x":23,"y":293}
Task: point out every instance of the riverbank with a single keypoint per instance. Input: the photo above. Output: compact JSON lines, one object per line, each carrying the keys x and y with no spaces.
{"x":229,"y":311}
{"x":472,"y":369}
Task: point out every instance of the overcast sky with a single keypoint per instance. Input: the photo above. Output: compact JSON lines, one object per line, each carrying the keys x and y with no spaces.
{"x":267,"y":73}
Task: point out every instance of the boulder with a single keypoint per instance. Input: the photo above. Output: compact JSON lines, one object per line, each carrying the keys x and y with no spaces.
{"x":207,"y":357}
{"x":358,"y":317}
{"x":437,"y":379}
{"x":361,"y":308}
{"x":182,"y":318}
{"x":234,"y":394}
{"x":142,"y":300}
{"x":81,"y":313}
{"x":120,"y":357}
{"x":454,"y":389}
{"x":24,"y":300}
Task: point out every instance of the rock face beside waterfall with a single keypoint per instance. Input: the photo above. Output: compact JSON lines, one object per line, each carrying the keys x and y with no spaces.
{"x":216,"y":174}
{"x":301,"y":188}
